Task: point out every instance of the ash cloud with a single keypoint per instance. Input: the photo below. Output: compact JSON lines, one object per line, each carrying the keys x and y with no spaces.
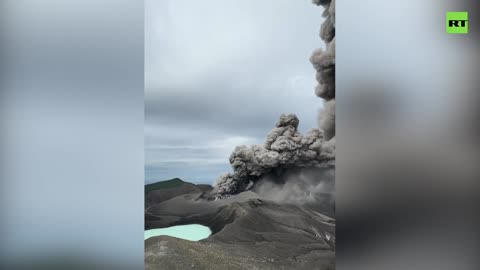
{"x":298,"y":186}
{"x":326,"y":119}
{"x":324,"y":63}
{"x":286,"y":149}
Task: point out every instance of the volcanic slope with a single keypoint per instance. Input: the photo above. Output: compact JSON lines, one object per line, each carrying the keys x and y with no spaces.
{"x":248,"y":232}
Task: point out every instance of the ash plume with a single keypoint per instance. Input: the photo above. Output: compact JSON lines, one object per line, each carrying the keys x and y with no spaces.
{"x":326,"y":119}
{"x":286,"y":149}
{"x":324,"y":63}
{"x":299,"y":186}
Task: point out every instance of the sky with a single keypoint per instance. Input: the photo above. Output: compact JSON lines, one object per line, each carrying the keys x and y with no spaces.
{"x":219,"y":74}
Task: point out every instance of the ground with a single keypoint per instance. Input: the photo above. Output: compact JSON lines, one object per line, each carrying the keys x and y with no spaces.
{"x":248,"y":232}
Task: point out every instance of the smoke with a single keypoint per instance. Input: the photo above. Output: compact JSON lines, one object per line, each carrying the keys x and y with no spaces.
{"x":324,"y":63}
{"x":285,"y":149}
{"x":298,"y":186}
{"x":326,"y":120}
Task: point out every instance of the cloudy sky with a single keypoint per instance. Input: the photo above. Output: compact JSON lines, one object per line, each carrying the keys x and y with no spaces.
{"x":219,"y":74}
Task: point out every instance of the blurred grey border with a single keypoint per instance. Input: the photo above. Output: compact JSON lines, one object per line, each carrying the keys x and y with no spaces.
{"x":72,"y":134}
{"x":407,"y":136}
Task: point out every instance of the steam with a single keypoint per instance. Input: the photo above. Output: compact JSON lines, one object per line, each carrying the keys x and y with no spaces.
{"x":286,"y":149}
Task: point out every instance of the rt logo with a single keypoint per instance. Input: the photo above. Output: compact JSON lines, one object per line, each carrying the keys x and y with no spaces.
{"x":457,"y":22}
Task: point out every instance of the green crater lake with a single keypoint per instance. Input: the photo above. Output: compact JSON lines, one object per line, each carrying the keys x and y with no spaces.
{"x":193,"y":232}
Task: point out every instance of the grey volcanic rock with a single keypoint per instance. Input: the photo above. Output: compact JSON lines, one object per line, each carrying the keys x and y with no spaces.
{"x":155,"y":198}
{"x":188,"y":209}
{"x":170,"y":253}
{"x":161,"y":195}
{"x":249,"y":232}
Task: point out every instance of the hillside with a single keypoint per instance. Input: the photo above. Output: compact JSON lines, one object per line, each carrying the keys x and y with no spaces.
{"x":175,"y":182}
{"x":249,"y":232}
